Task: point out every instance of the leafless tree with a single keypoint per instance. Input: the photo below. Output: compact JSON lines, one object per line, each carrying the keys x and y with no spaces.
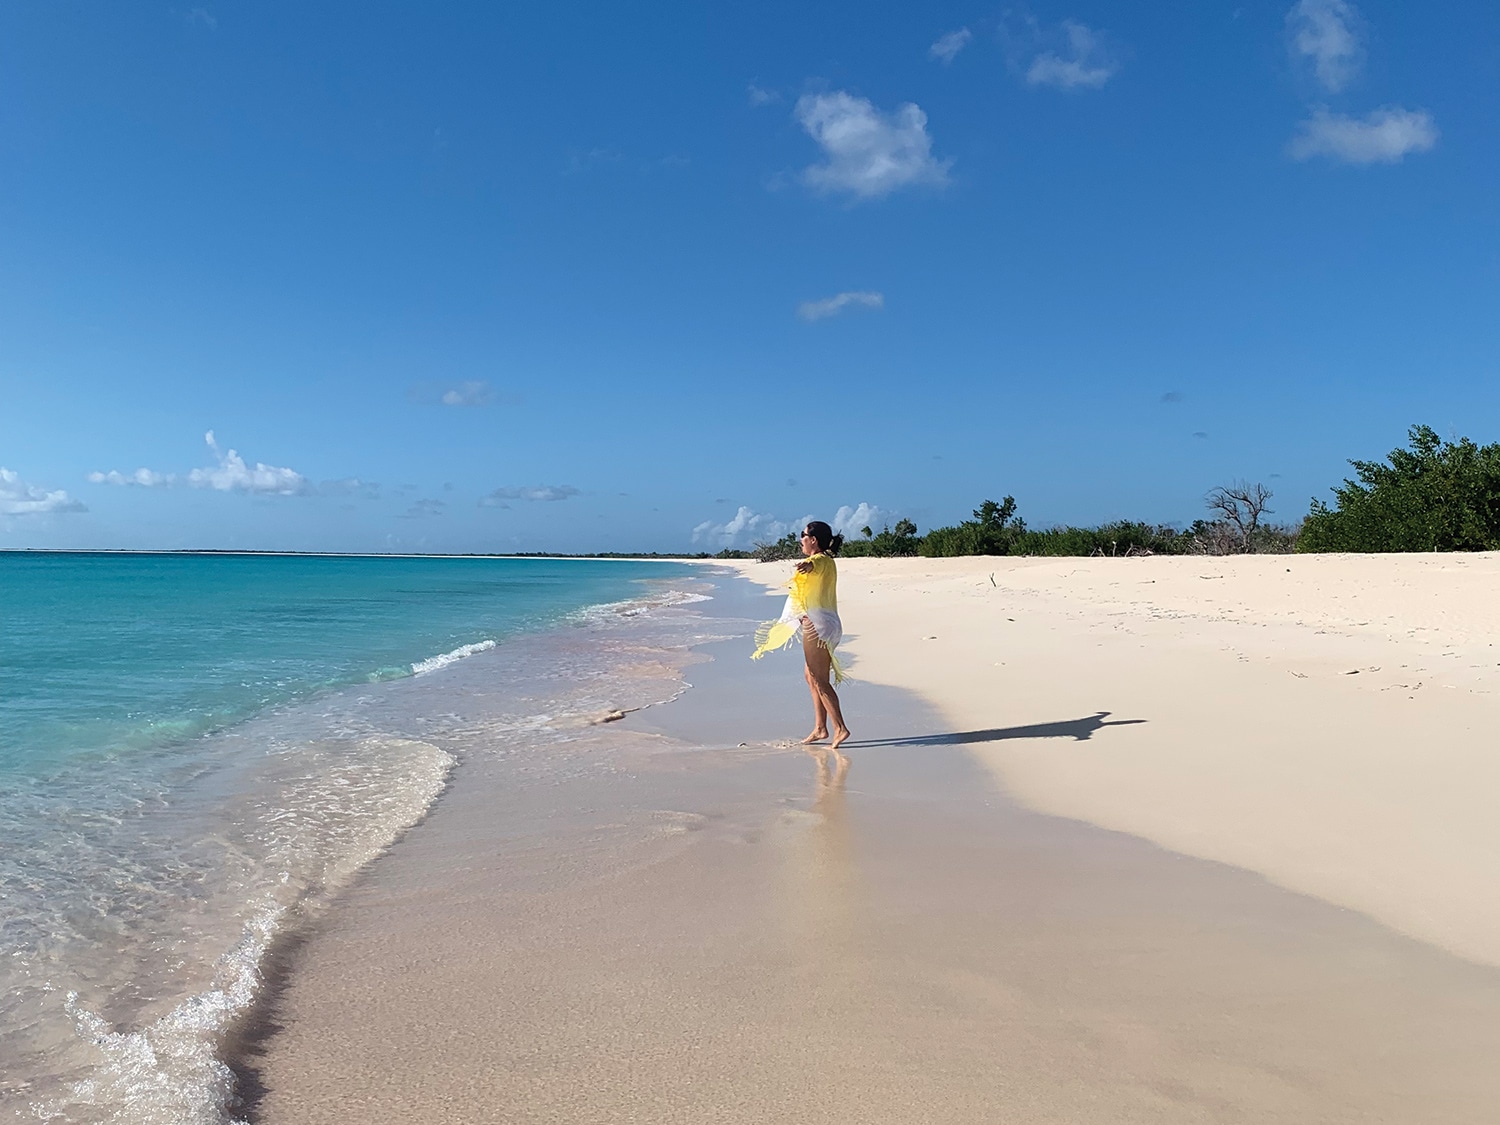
{"x":1239,"y":506}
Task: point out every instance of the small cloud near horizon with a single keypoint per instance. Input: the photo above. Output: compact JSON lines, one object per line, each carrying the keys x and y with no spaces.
{"x":744,"y":529}
{"x":141,"y":478}
{"x":850,"y":522}
{"x":832,"y":306}
{"x":867,"y":154}
{"x":748,"y":526}
{"x":18,"y":498}
{"x":230,"y":474}
{"x":539,"y":493}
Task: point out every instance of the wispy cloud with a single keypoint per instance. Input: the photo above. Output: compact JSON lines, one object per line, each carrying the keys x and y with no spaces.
{"x":543,"y":493}
{"x":1082,"y":62}
{"x":1383,"y":136}
{"x":17,"y":498}
{"x":948,"y":46}
{"x":230,"y":474}
{"x":473,"y":392}
{"x":867,"y":153}
{"x":759,"y":96}
{"x":1326,"y":34}
{"x":202,"y":17}
{"x":832,"y":306}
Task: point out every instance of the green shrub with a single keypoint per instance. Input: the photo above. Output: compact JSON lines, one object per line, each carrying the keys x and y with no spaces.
{"x":899,"y":542}
{"x":1434,"y":496}
{"x":1123,"y":537}
{"x":994,"y":530}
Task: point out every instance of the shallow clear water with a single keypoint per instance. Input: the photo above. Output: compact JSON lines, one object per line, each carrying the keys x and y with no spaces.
{"x":108,"y":654}
{"x":196,"y":750}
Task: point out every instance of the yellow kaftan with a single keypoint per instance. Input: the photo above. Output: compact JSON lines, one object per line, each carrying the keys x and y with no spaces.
{"x":812,"y":604}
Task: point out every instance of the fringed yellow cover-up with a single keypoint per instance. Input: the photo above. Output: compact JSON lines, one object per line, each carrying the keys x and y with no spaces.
{"x":814,"y":595}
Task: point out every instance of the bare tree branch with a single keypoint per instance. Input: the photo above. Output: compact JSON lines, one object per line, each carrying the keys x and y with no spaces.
{"x":1240,"y":505}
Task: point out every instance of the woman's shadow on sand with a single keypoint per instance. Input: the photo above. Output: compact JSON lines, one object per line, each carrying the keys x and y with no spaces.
{"x":1080,"y":730}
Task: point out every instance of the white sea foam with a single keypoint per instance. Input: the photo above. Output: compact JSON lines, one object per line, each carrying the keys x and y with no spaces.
{"x":636,"y":607}
{"x":433,"y":663}
{"x":337,"y":806}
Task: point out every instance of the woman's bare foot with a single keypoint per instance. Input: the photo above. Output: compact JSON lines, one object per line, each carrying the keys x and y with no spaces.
{"x":819,"y":736}
{"x":840,"y":736}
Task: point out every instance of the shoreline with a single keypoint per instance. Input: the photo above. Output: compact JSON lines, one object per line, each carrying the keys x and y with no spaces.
{"x":246,"y":835}
{"x":703,"y":924}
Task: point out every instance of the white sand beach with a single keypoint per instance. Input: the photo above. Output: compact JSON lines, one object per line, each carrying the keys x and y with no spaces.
{"x":1327,"y":721}
{"x":1159,"y":840}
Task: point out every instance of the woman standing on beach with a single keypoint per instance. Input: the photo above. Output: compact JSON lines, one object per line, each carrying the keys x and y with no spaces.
{"x":812,"y":611}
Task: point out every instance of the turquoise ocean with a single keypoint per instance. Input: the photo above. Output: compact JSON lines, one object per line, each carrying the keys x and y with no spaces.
{"x":193,"y":748}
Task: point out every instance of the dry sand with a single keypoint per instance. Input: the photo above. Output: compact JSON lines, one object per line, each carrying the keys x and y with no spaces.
{"x":707,"y":927}
{"x":1332,"y":722}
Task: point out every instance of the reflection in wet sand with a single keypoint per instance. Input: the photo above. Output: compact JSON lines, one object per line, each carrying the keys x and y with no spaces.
{"x":822,"y":880}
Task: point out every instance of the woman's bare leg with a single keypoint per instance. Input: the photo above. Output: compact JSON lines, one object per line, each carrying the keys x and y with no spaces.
{"x":820,"y":713}
{"x":819,"y":666}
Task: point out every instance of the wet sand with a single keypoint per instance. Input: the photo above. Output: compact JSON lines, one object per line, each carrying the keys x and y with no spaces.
{"x":706,"y":926}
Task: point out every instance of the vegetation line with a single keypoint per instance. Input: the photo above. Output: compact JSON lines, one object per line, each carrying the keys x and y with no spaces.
{"x":1432,"y":496}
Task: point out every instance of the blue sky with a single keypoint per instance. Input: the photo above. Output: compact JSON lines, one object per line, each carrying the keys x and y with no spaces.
{"x":603,"y":276}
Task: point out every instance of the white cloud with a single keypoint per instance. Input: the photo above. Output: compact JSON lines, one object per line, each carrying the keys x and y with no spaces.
{"x":232,"y":474}
{"x":1326,"y":33}
{"x":537,"y":492}
{"x":759,"y":97}
{"x":851,"y":522}
{"x":202,"y":17}
{"x":1085,"y":64}
{"x":832,"y":306}
{"x":948,"y":46}
{"x":474,"y":392}
{"x":142,"y":478}
{"x":17,"y":498}
{"x":745,"y":529}
{"x":749,"y":527}
{"x":1383,"y":136}
{"x":869,"y":154}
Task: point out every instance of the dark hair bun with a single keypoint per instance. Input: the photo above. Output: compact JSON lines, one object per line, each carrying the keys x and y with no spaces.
{"x":834,"y":544}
